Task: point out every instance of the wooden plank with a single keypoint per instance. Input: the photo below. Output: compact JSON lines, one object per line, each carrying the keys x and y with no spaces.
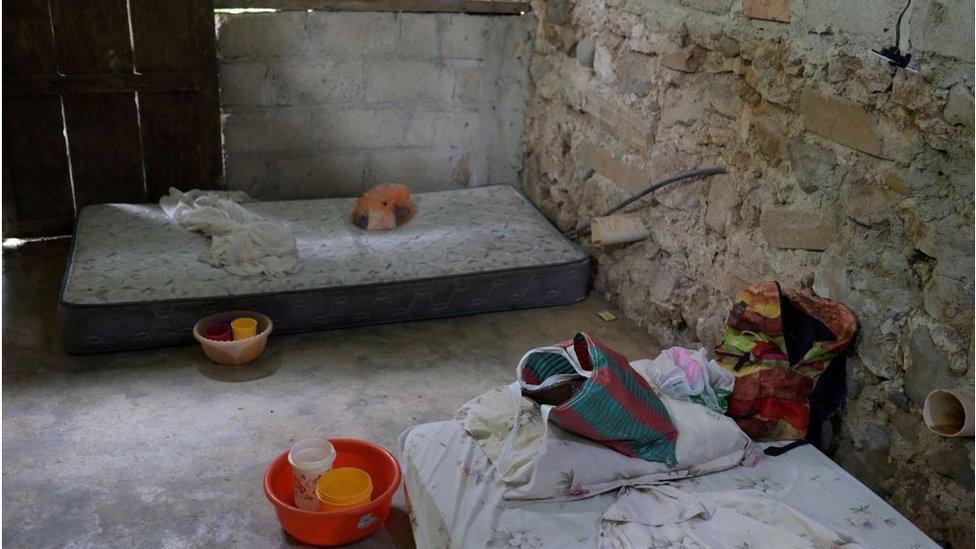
{"x":28,"y":45}
{"x":37,"y":192}
{"x":421,"y":6}
{"x":35,"y":160}
{"x":164,"y":34}
{"x":99,"y":83}
{"x":106,"y":155}
{"x":175,"y":155}
{"x":92,"y":36}
{"x":180,"y":131}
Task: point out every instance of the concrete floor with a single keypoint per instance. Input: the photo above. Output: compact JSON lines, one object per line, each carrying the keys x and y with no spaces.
{"x":161,"y":448}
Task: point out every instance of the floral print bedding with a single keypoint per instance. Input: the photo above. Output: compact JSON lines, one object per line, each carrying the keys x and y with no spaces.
{"x":457,"y":501}
{"x":132,"y":253}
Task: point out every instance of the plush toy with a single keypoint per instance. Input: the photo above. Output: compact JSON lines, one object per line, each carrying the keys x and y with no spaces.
{"x":383,"y":207}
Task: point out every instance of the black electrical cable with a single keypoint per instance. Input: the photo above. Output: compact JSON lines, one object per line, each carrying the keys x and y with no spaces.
{"x":893,"y":53}
{"x":898,"y":28}
{"x":704,"y":172}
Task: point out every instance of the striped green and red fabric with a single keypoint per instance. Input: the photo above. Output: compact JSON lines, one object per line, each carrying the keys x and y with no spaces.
{"x":613,"y":405}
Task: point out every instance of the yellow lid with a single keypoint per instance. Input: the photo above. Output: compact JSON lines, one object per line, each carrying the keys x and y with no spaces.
{"x":344,"y":486}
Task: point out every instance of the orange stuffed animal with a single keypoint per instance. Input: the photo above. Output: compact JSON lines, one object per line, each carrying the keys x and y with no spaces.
{"x":384,"y":207}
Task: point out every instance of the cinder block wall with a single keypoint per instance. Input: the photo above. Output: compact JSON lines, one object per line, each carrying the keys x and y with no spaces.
{"x":322,"y":104}
{"x":845,"y":174}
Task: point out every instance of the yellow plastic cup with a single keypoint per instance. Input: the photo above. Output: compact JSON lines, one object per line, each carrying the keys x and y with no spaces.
{"x":343,"y":488}
{"x":244,"y":327}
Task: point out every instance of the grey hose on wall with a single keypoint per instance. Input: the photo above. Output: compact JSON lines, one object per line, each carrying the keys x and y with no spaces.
{"x":704,"y":172}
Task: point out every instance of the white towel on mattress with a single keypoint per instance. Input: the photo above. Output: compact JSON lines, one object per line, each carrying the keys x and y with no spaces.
{"x":240,"y":241}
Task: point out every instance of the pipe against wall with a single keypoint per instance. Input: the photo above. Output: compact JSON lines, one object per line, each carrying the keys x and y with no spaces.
{"x":617,"y":229}
{"x":949,"y":412}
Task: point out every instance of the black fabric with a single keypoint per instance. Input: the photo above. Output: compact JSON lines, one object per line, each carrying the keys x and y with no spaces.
{"x":801,"y":331}
{"x":827,"y":399}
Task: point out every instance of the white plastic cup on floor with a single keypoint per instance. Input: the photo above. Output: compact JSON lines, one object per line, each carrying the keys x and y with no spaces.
{"x":309,"y":458}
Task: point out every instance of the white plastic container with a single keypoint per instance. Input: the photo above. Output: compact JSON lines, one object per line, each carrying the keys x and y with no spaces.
{"x":309,"y":458}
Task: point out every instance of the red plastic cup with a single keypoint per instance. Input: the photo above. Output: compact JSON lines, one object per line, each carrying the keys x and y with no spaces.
{"x":219,"y":332}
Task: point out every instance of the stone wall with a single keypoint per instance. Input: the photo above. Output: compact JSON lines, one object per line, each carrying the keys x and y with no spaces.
{"x":845,"y":175}
{"x":319,"y":104}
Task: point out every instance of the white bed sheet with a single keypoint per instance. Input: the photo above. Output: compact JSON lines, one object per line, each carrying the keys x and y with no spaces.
{"x":456,"y":499}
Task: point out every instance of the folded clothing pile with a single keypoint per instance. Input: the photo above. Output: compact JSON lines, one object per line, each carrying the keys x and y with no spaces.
{"x":240,"y":241}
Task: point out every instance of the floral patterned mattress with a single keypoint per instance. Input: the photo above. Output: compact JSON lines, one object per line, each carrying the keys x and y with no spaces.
{"x":456,"y":499}
{"x":134,"y":279}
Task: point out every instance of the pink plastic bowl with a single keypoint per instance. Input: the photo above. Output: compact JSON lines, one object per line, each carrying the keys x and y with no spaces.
{"x":336,"y":527}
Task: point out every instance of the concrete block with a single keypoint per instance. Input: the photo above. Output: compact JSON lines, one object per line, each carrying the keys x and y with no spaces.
{"x":246,"y":173}
{"x":319,"y":176}
{"x":465,"y":36}
{"x":408,"y":81}
{"x":273,"y":130}
{"x":461,"y":177}
{"x":419,"y":36}
{"x":259,"y":34}
{"x":504,"y":163}
{"x":421,"y":169}
{"x":467,"y":85}
{"x":244,"y":85}
{"x":840,"y":120}
{"x":443,"y":130}
{"x":315,"y":82}
{"x":797,"y":229}
{"x":360,"y":129}
{"x":355,"y":33}
{"x":769,"y":10}
{"x":602,"y":161}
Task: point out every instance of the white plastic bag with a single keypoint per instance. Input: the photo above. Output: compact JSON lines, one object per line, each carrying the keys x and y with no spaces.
{"x":689,"y":375}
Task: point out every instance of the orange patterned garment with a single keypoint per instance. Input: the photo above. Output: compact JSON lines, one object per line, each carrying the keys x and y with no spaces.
{"x":779,"y":343}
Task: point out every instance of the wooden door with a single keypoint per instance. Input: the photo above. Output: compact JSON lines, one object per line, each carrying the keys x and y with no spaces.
{"x":105,"y":101}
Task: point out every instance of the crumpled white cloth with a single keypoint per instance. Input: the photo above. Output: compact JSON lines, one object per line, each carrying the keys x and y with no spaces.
{"x":240,"y":241}
{"x":666,"y":516}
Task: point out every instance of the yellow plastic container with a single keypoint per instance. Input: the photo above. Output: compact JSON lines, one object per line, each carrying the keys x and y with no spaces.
{"x":343,"y":488}
{"x":244,"y":327}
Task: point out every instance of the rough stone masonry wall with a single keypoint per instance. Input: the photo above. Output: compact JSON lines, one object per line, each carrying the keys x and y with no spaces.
{"x":845,"y":175}
{"x":321,"y":104}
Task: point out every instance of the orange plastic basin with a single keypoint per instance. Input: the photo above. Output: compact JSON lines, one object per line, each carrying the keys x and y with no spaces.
{"x":336,"y":527}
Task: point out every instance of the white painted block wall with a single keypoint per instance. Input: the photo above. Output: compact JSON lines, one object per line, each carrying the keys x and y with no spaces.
{"x":323,"y":104}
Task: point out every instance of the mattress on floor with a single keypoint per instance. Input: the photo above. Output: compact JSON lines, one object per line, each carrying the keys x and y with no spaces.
{"x":456,"y":499}
{"x":133,"y":279}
